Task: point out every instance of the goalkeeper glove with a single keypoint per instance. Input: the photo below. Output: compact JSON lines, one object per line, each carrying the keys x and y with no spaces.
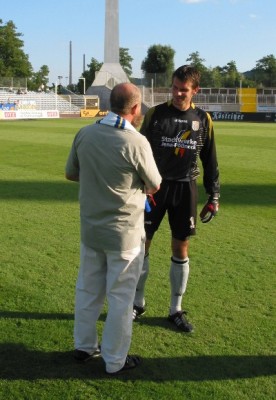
{"x":210,"y":208}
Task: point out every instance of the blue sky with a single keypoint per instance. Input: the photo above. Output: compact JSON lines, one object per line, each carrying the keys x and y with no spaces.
{"x":220,"y":30}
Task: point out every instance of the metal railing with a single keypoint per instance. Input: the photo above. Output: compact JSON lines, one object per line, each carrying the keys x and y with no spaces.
{"x":38,"y":101}
{"x":150,"y":97}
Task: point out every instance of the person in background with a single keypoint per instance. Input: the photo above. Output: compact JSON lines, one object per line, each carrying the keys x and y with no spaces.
{"x":179,"y":133}
{"x":115,"y":168}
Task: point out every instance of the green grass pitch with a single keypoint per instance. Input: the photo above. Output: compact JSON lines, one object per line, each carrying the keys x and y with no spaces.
{"x":230,"y":296}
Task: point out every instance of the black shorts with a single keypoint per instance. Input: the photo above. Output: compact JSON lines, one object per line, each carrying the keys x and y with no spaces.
{"x":179,"y":199}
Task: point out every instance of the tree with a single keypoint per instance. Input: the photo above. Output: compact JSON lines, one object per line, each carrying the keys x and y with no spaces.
{"x":13,"y":61}
{"x":39,"y":80}
{"x":265,"y":71}
{"x":194,"y":59}
{"x":231,"y":76}
{"x":159,"y":60}
{"x":125,"y":61}
{"x":216,"y":77}
{"x":89,"y":74}
{"x":206,"y":74}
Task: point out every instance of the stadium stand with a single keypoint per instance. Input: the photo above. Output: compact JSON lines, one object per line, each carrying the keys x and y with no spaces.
{"x":222,"y":99}
{"x":41,"y":101}
{"x":235,"y":100}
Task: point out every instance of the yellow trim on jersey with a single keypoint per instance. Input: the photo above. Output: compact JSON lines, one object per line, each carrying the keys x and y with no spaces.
{"x":183,"y":137}
{"x":210,"y":125}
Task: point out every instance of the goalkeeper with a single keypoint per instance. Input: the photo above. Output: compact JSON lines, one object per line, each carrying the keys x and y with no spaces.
{"x":179,"y":134}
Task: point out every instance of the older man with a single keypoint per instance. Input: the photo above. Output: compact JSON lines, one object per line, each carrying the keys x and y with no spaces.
{"x":115,"y":167}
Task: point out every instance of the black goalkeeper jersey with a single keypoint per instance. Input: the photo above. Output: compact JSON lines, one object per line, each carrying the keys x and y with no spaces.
{"x":178,"y":139}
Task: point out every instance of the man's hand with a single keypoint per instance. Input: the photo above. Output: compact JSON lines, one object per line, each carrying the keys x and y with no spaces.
{"x":210,"y":208}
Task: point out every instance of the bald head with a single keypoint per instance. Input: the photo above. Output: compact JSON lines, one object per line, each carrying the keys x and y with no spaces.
{"x":124,"y":97}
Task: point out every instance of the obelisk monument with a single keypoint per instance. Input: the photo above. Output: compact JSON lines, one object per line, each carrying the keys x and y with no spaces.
{"x":111,"y":71}
{"x":111,"y":37}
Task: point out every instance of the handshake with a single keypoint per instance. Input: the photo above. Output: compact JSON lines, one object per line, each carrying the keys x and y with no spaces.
{"x":210,"y":208}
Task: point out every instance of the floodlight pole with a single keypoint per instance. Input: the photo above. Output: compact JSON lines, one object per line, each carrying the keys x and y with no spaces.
{"x":56,"y":94}
{"x":152,"y":94}
{"x":240,"y":99}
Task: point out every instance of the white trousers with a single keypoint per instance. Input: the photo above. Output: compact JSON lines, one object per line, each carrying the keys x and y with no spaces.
{"x":112,"y":275}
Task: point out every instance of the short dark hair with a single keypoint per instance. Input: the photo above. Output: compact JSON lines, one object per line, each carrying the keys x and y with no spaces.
{"x":187,"y":73}
{"x":123,"y":97}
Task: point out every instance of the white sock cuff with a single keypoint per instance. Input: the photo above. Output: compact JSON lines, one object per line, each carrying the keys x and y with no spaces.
{"x":180,"y":260}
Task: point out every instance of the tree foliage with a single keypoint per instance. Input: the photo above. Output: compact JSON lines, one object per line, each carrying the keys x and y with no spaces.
{"x":159,"y":60}
{"x":197,"y":61}
{"x":39,"y":80}
{"x":263,"y":75}
{"x":265,"y":71}
{"x":89,"y":74}
{"x":230,"y":75}
{"x":125,"y":60}
{"x":13,"y":61}
{"x":158,"y":65}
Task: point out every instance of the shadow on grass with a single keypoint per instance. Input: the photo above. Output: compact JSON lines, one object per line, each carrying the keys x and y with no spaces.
{"x":42,"y":316}
{"x":68,"y":191}
{"x":18,"y":362}
{"x":36,"y":315}
{"x":150,"y":321}
{"x":39,"y":190}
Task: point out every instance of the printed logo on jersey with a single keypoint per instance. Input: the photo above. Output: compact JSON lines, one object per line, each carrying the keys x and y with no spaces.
{"x":183,"y":137}
{"x":180,"y":142}
{"x":195,"y":125}
{"x":181,"y":121}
